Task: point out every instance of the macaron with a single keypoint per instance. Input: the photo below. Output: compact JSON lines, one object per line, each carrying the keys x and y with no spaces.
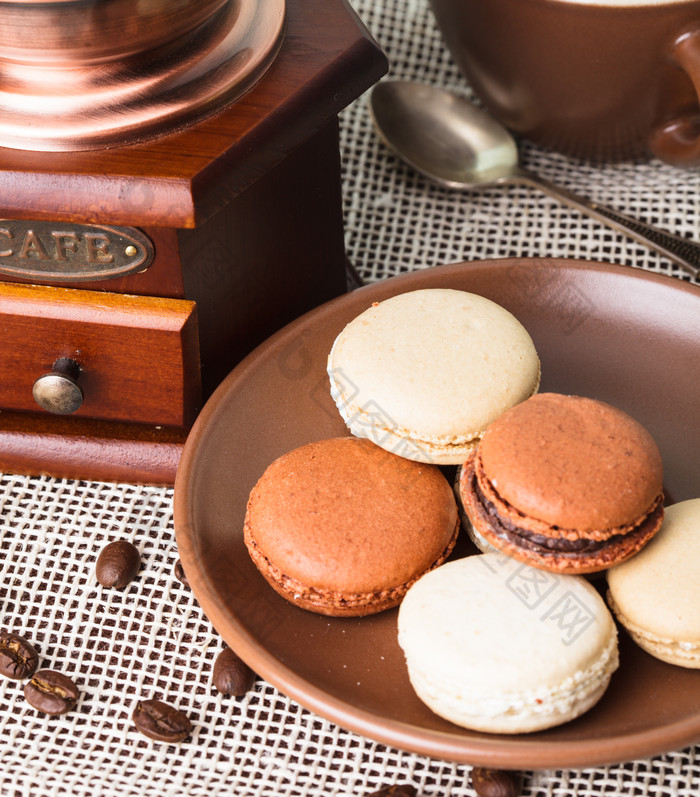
{"x":564,"y":483}
{"x":342,"y":527}
{"x":423,"y":374}
{"x":656,"y":595}
{"x":494,"y":645}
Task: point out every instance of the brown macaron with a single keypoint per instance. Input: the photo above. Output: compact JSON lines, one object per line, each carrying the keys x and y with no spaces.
{"x":564,"y":483}
{"x":342,"y":527}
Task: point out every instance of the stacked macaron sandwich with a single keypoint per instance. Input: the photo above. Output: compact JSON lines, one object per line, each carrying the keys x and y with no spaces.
{"x":549,"y":487}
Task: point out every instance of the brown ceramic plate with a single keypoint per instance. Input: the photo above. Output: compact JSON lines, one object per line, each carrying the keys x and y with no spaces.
{"x":625,"y":336}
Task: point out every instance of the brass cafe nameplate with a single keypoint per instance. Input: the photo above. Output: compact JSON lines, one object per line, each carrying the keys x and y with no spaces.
{"x":57,"y":252}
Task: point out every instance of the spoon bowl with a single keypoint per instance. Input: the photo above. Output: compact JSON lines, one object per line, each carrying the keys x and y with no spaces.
{"x":454,"y":143}
{"x":443,"y":136}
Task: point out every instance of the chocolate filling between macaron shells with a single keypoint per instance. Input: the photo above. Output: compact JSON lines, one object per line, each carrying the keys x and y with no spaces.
{"x":504,"y":528}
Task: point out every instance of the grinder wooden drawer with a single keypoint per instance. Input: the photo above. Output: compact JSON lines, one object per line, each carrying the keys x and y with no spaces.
{"x":138,"y":356}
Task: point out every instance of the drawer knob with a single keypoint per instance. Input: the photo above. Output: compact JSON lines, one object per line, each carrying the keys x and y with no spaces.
{"x":59,"y":392}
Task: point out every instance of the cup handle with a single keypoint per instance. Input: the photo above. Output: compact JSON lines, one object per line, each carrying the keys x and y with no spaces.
{"x":677,"y":141}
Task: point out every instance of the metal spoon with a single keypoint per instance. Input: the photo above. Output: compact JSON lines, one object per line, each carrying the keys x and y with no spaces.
{"x":450,"y":140}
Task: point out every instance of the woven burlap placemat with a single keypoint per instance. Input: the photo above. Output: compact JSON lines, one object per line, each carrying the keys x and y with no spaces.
{"x":152,"y":640}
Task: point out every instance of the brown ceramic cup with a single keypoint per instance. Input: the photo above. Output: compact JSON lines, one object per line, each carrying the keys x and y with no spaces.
{"x":599,"y":79}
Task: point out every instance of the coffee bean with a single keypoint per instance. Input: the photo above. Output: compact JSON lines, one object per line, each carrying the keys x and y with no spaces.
{"x":400,"y":790}
{"x":231,"y":675}
{"x":180,"y":573}
{"x":496,"y":782}
{"x":161,"y":721}
{"x":52,"y":692}
{"x":18,"y":658}
{"x":117,"y":564}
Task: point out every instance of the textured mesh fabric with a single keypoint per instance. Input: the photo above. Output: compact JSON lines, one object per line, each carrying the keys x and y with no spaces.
{"x":152,"y":640}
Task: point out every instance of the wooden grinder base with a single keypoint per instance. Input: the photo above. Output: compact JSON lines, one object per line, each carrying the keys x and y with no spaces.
{"x":245,"y":214}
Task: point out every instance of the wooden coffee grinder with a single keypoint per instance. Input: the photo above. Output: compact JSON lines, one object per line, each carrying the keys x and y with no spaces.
{"x":171,"y":196}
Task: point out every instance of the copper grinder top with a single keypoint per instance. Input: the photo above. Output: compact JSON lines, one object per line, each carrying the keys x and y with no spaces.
{"x":89,"y":74}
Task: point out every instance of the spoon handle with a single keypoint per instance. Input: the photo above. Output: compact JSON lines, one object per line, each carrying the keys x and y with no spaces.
{"x":682,"y":251}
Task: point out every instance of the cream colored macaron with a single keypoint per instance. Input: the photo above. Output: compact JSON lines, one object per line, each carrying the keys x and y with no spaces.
{"x":656,"y":594}
{"x":495,"y":645}
{"x":422,"y":374}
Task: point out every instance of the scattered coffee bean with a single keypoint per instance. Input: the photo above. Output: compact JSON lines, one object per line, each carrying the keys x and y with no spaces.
{"x":51,"y":692}
{"x":496,"y":782}
{"x":231,"y":675}
{"x":400,"y":790}
{"x":18,"y":658}
{"x":117,"y":564}
{"x":161,"y":721}
{"x":180,"y":573}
